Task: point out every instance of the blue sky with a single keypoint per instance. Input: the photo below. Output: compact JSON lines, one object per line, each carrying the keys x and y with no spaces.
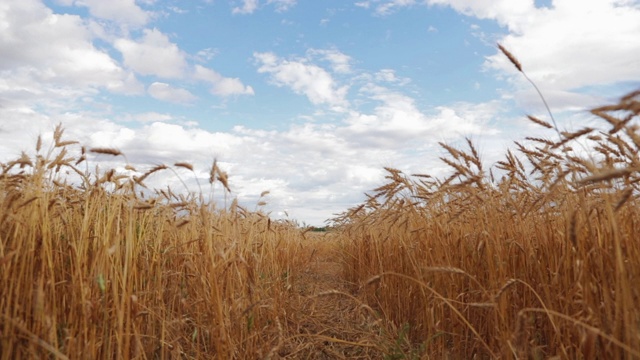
{"x":305,"y":99}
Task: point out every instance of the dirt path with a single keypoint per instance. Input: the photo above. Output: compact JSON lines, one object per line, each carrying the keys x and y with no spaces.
{"x":330,"y":322}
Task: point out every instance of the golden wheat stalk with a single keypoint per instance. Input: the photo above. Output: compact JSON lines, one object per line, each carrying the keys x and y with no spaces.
{"x":151,"y":171}
{"x":65,"y":143}
{"x":106,"y":151}
{"x":540,"y":122}
{"x":511,"y":58}
{"x":518,"y":66}
{"x":626,"y":195}
{"x":608,"y":175}
{"x":184,"y":165}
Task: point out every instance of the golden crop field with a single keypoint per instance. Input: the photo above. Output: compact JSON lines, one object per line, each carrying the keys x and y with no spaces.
{"x":537,"y":257}
{"x":542,"y":262}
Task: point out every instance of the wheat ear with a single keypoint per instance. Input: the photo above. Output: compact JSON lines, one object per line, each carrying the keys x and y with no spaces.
{"x":518,"y":66}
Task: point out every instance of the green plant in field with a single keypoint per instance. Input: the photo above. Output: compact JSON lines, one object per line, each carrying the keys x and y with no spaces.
{"x":397,"y":350}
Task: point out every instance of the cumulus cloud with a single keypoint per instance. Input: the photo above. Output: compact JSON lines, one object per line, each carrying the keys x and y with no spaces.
{"x":396,"y":122}
{"x":248,"y":7}
{"x":122,"y":11}
{"x":303,"y":78}
{"x":282,"y":5}
{"x":340,"y":62}
{"x":50,"y":61}
{"x":221,"y":85}
{"x":205,"y":55}
{"x":594,"y":43}
{"x":563,"y":47}
{"x":388,"y":6}
{"x":312,"y":169}
{"x":31,"y":30}
{"x":166,"y":92}
{"x":389,"y":76}
{"x":149,"y":117}
{"x":297,"y":165}
{"x":153,"y":54}
{"x":566,"y":45}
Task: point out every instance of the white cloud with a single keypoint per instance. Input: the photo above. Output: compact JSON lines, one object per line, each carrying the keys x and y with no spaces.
{"x":220,"y":85}
{"x":505,"y":11}
{"x":303,"y":78}
{"x":205,"y":55}
{"x":340,"y":62}
{"x":230,"y":86}
{"x":389,"y":76}
{"x":47,"y":58}
{"x":282,"y":5}
{"x":313,"y":170}
{"x":122,"y":11}
{"x":153,"y":54}
{"x":149,"y":117}
{"x":388,"y":6}
{"x":567,"y":46}
{"x":593,"y":44}
{"x":564,"y":48}
{"x":397,"y":123}
{"x":178,"y":10}
{"x":248,"y":7}
{"x":166,"y":92}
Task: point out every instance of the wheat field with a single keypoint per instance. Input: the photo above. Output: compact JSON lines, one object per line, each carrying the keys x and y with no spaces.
{"x":100,"y":271}
{"x":536,"y":257}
